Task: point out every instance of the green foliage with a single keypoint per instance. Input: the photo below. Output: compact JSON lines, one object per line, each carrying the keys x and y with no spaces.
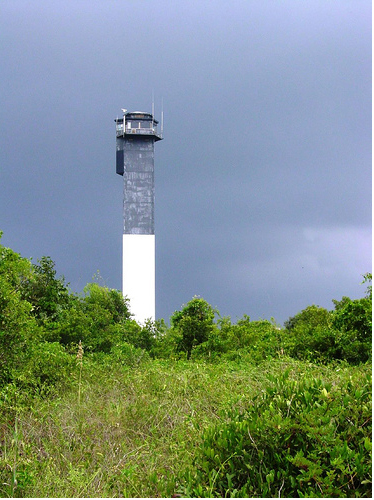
{"x":98,"y":319}
{"x":17,"y":326}
{"x":312,"y":316}
{"x":73,"y":325}
{"x":47,"y":294}
{"x":303,"y":438}
{"x":368,"y":279}
{"x":47,"y":364}
{"x":257,"y":340}
{"x":319,"y":335}
{"x":195,"y":323}
{"x":166,"y":342}
{"x":128,"y":355}
{"x":312,"y":343}
{"x":99,"y":298}
{"x":105,"y":311}
{"x":353,"y":320}
{"x":261,"y":338}
{"x":240,"y":425}
{"x":143,"y":337}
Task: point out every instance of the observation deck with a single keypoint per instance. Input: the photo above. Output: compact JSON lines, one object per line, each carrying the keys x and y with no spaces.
{"x":137,"y":124}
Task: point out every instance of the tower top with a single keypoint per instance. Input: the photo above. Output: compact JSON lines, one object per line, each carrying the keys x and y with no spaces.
{"x":137,"y":123}
{"x":139,"y":114}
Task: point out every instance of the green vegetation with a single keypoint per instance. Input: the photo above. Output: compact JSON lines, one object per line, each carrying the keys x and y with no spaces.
{"x":94,"y":405}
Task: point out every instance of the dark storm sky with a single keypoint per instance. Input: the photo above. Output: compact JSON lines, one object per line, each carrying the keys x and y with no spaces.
{"x":263,"y":180}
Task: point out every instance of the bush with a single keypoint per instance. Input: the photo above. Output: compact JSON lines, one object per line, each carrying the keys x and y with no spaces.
{"x":353,"y":320}
{"x":296,"y":439}
{"x":98,"y":319}
{"x":128,"y":355}
{"x":257,"y":340}
{"x":46,"y":365}
{"x":260,"y":338}
{"x":47,"y":294}
{"x":317,"y":344}
{"x":17,"y":327}
{"x":309,"y":335}
{"x":312,"y":316}
{"x":316,"y":334}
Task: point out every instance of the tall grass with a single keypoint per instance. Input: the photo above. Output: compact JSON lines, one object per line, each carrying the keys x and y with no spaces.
{"x":80,"y":365}
{"x":132,"y":430}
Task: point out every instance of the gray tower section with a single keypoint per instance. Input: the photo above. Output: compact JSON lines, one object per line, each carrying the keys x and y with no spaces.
{"x":136,"y":134}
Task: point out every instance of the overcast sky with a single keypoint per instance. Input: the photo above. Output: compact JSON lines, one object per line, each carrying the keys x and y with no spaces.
{"x":263,"y":180}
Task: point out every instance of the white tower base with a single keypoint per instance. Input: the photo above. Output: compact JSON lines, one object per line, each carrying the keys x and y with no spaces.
{"x":139,"y":275}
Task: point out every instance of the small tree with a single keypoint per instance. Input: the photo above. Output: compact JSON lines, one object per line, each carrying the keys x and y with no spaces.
{"x":352,"y":320}
{"x":47,"y":294}
{"x":107,"y":299}
{"x":309,"y":335}
{"x":311,"y":316}
{"x":195,"y":323}
{"x":17,"y":327}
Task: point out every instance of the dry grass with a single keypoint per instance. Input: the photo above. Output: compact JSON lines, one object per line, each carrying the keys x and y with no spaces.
{"x":130,"y":433}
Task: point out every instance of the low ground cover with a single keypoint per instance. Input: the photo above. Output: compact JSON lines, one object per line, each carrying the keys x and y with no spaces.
{"x":156,"y":429}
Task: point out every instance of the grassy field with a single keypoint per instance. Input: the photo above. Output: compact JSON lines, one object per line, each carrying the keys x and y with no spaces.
{"x":130,"y":431}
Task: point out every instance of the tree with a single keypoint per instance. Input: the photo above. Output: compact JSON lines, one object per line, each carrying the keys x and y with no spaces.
{"x":352,"y":319}
{"x":308,"y":335}
{"x":17,"y":328}
{"x":107,"y":299}
{"x":311,"y":316}
{"x":98,"y":319}
{"x":195,"y":323}
{"x":47,"y":294}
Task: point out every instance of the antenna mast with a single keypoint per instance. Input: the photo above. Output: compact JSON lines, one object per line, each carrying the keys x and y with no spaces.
{"x":162,"y":117}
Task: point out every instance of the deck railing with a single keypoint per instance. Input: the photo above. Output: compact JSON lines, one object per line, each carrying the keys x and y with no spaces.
{"x":140,"y":131}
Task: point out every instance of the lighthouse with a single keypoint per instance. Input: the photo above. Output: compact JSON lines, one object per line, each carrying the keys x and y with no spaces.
{"x":136,"y":134}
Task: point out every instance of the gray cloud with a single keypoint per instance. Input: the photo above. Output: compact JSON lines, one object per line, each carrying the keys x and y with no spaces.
{"x":267,"y":143}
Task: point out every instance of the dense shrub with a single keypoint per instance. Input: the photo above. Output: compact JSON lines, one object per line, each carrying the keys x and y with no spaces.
{"x":167,"y":342}
{"x":128,"y":355}
{"x":100,"y":298}
{"x":308,"y":335}
{"x":353,"y":320}
{"x":17,"y":325}
{"x":312,"y":316}
{"x":47,"y":294}
{"x":143,"y":337}
{"x":46,"y":365}
{"x":97,"y":319}
{"x":312,"y":343}
{"x":260,"y":338}
{"x":296,"y":439}
{"x":316,"y":334}
{"x":257,"y":339}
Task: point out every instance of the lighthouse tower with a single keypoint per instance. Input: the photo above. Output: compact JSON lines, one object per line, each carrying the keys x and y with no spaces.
{"x":136,"y":134}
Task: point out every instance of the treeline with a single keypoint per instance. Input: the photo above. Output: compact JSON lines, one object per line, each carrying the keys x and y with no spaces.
{"x":42,"y":322}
